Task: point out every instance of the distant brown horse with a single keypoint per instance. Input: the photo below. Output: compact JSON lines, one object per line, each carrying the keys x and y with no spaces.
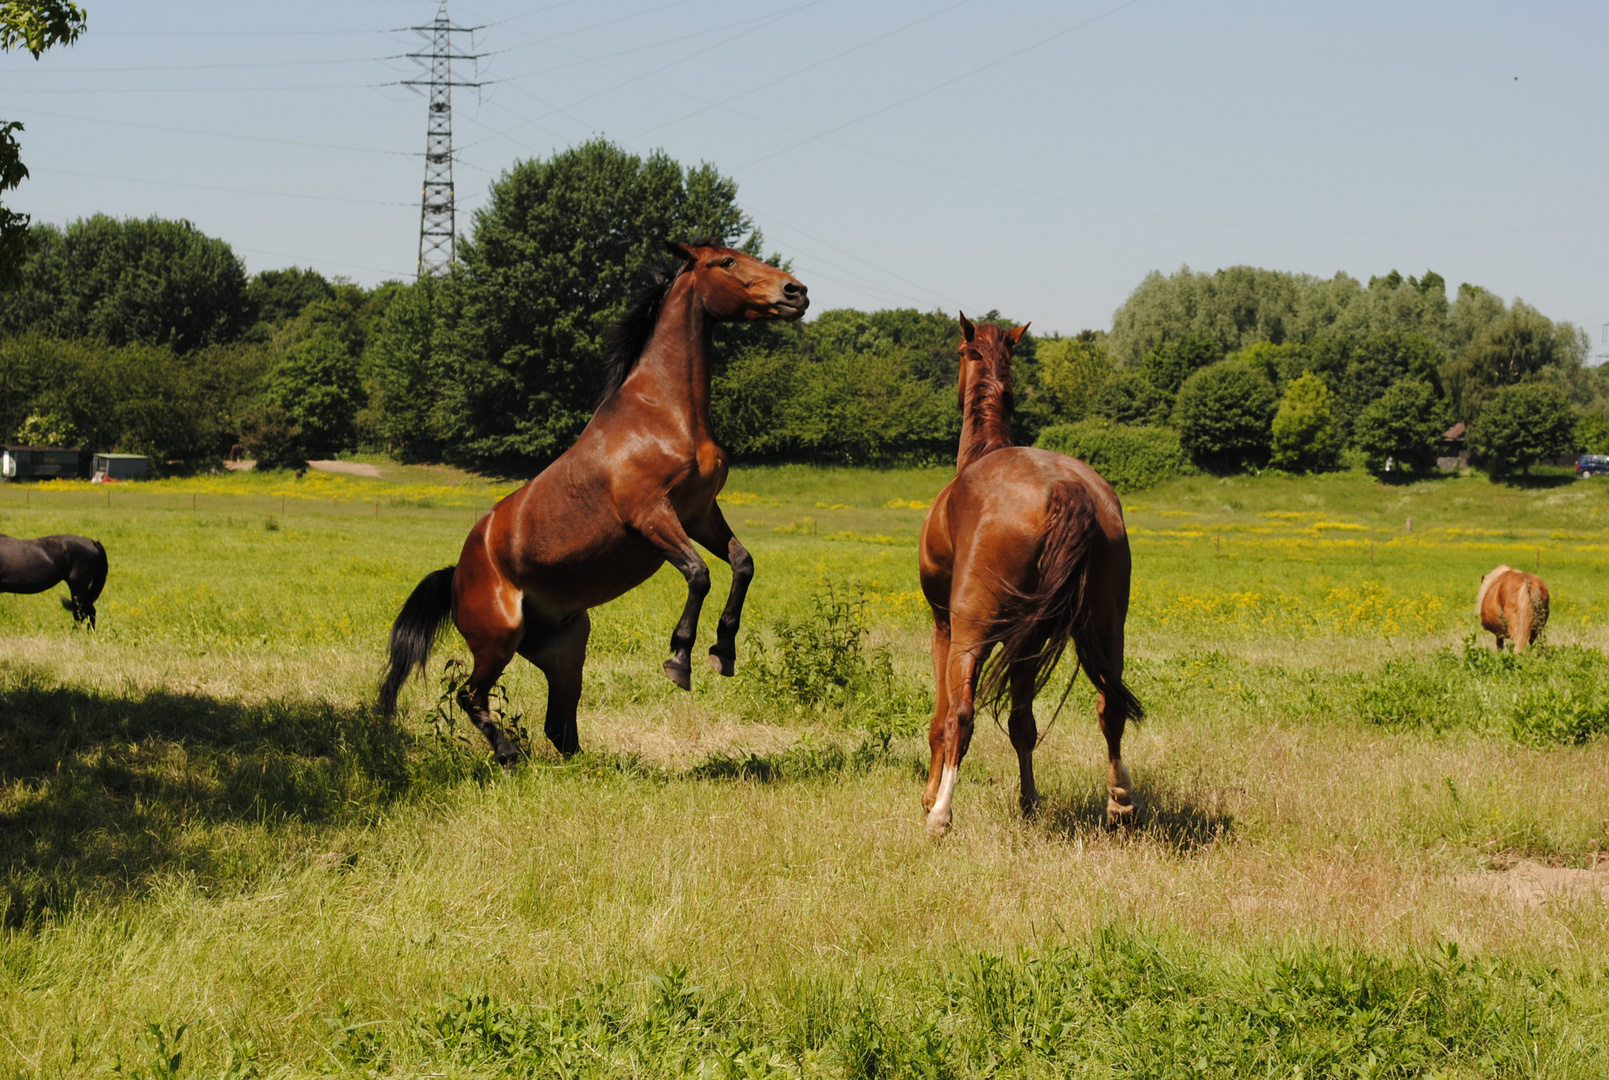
{"x":1513,"y":604}
{"x":1025,"y":550}
{"x":635,"y":491}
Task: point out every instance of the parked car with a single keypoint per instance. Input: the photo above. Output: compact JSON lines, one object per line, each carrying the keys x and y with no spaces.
{"x":1592,"y":465}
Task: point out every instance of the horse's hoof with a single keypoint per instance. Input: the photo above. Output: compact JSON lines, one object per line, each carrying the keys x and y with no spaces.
{"x":1120,"y":815}
{"x":722,"y":664}
{"x":938,"y":827}
{"x":679,"y":673}
{"x":1029,"y":805}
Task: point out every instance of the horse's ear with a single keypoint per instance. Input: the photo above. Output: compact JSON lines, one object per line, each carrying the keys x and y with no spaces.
{"x":968,"y":331}
{"x":681,"y":251}
{"x":1015,"y":336}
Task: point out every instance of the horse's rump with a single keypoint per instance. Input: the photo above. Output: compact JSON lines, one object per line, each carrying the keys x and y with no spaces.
{"x":1036,"y":624}
{"x":1513,"y":604}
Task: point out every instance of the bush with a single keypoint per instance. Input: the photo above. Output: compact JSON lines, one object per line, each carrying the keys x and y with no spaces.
{"x":1128,"y":397}
{"x":1304,"y":432}
{"x":1405,"y":424}
{"x":1521,"y":425}
{"x":1225,"y":414}
{"x":272,"y":439}
{"x":1131,"y":458}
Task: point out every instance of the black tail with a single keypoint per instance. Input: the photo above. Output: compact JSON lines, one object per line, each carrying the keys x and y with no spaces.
{"x":99,"y":581}
{"x":82,"y":603}
{"x":1036,"y":625}
{"x":420,"y":622}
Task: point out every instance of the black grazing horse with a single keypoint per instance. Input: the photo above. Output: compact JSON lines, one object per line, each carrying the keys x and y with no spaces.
{"x":32,"y":566}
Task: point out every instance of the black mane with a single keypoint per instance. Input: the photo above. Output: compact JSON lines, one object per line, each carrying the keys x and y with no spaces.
{"x":625,"y":341}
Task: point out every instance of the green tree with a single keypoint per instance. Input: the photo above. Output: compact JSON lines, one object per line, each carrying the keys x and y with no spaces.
{"x":136,"y":398}
{"x":1069,"y":372}
{"x":753,"y":400}
{"x":277,"y":296}
{"x":1520,"y":425}
{"x":1405,"y":424}
{"x":1168,"y":363}
{"x":1520,"y":347}
{"x":1128,"y":397}
{"x":861,"y":408}
{"x":1305,"y":435}
{"x":548,"y":266}
{"x":317,"y":385}
{"x":401,"y":373}
{"x":1224,"y":415}
{"x":35,"y":25}
{"x":1592,"y":433}
{"x":1360,"y":369}
{"x":153,"y":281}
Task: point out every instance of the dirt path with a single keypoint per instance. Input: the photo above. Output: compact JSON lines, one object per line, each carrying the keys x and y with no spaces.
{"x":348,"y":468}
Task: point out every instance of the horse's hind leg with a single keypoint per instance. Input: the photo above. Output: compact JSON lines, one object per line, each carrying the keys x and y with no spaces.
{"x":962,"y":676}
{"x":488,"y":612}
{"x":1024,"y":731}
{"x":1113,"y":718}
{"x":560,"y":653}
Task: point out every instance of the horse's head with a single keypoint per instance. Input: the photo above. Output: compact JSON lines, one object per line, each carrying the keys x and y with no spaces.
{"x":736,"y":286}
{"x":986,"y":355}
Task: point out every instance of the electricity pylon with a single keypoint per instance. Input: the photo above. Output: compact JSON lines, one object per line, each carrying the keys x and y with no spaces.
{"x":437,"y":216}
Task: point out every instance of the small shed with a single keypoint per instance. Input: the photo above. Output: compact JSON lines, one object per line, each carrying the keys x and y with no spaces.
{"x":120,"y":467}
{"x":38,"y":462}
{"x":1454,"y":452}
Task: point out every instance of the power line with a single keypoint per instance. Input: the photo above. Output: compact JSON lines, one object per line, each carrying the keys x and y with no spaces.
{"x":217,"y":134}
{"x":38,"y":172}
{"x":941,"y":85}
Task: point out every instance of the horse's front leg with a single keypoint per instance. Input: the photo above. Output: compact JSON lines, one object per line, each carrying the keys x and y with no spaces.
{"x":664,"y":530}
{"x":716,"y":535}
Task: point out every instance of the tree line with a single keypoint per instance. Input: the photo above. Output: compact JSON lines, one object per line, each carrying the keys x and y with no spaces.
{"x":148,"y":336}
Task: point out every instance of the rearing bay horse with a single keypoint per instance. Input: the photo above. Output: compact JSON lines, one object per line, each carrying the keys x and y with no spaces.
{"x":1024,"y":550}
{"x":635,"y":491}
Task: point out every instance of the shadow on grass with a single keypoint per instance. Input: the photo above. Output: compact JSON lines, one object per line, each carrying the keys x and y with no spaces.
{"x":101,"y":791}
{"x":1183,"y":822}
{"x":1407,"y":478}
{"x":1537,"y":481}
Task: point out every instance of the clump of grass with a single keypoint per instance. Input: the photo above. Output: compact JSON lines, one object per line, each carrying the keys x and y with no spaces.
{"x":1547,"y":696}
{"x":1123,"y":1005}
{"x":808,"y":760}
{"x":1553,"y":716}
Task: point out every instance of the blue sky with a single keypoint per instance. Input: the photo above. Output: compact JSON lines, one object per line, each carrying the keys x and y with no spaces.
{"x":1033,"y":157}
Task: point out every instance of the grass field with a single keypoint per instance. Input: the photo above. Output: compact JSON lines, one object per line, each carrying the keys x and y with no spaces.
{"x":1367,"y":845}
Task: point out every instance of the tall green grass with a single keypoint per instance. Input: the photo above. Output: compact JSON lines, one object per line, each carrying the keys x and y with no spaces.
{"x":219,"y":861}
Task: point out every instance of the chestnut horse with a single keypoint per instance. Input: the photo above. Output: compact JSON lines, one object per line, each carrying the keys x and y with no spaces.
{"x":1512,"y":604}
{"x":635,"y":491}
{"x":1025,"y":550}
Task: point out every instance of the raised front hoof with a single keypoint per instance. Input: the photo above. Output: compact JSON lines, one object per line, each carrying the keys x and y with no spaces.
{"x":723,"y":665}
{"x":679,"y":672}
